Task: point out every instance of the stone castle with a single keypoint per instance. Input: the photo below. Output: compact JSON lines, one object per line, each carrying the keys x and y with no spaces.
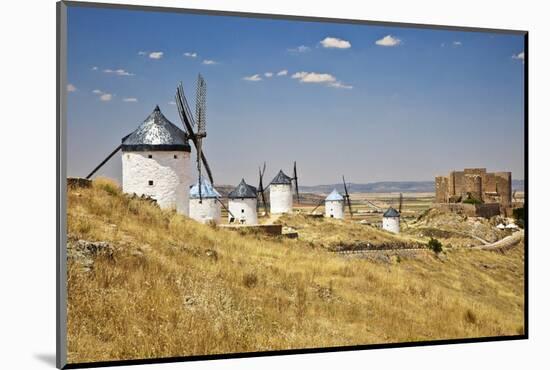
{"x":489,"y":188}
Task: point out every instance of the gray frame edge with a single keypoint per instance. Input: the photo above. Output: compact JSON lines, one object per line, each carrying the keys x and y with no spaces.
{"x":61,"y":186}
{"x":290,"y":17}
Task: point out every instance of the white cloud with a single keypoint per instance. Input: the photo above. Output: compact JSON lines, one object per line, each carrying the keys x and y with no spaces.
{"x":190,"y":55}
{"x":209,"y":62}
{"x":171,"y":102}
{"x":339,"y":85}
{"x":333,"y":42}
{"x":320,"y":78}
{"x":300,"y":49}
{"x":388,"y":40}
{"x":118,"y":72}
{"x":284,"y":72}
{"x":442,"y":44}
{"x":142,"y":53}
{"x":71,"y":88}
{"x":519,"y":56}
{"x":130,"y":100}
{"x":105,"y":97}
{"x":268,"y":74}
{"x":313,"y":77}
{"x":94,"y":68}
{"x":457,"y":43}
{"x":253,"y":78}
{"x":156,"y":54}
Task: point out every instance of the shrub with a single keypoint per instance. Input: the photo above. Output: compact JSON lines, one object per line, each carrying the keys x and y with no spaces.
{"x":250,"y":280}
{"x":519,"y":214}
{"x":435,"y":246}
{"x":472,"y":201}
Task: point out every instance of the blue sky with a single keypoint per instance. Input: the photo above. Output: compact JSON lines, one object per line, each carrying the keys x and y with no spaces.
{"x":373,"y":103}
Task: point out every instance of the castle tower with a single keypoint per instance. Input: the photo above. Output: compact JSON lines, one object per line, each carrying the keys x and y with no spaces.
{"x":334,"y":205}
{"x":204,"y":206}
{"x":243,"y":202}
{"x":156,"y":163}
{"x":280,"y":194}
{"x":390,"y":221}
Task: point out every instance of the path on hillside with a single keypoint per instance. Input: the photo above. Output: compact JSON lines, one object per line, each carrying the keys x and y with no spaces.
{"x":503,"y":244}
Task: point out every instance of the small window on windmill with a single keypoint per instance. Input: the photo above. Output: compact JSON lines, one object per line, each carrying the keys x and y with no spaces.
{"x":150,"y":182}
{"x":242,"y":210}
{"x":175,"y":156}
{"x":150,"y":156}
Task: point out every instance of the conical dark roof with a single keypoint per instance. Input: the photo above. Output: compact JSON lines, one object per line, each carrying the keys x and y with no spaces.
{"x":391,"y":212}
{"x":281,"y":178}
{"x":156,"y":133}
{"x":243,"y":190}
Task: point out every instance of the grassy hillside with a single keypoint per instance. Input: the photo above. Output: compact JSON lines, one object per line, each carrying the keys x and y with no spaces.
{"x":169,"y":286}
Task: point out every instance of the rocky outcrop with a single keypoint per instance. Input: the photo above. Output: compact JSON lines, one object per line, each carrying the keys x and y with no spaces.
{"x":83,"y":252}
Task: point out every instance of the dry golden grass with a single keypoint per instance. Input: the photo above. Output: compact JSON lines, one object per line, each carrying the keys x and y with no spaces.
{"x":175,"y":288}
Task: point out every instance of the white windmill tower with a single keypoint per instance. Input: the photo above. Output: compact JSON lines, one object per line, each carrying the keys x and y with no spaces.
{"x":391,"y":218}
{"x":156,"y":162}
{"x":334,"y":205}
{"x":280,"y":194}
{"x":204,"y":204}
{"x":243,"y":201}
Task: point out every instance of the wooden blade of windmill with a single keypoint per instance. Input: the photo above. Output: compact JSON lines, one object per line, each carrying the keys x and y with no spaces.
{"x":317,"y":206}
{"x":224,"y":207}
{"x":261,"y":187}
{"x":296,"y":183}
{"x":188,"y":123}
{"x":103,"y":162}
{"x":400,"y":202}
{"x":347,"y":196}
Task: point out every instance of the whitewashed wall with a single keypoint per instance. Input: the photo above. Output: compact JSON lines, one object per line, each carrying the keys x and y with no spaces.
{"x":171,"y":177}
{"x":280,"y":198}
{"x":209,"y":210}
{"x":391,"y":224}
{"x":334,"y":208}
{"x":244,"y":211}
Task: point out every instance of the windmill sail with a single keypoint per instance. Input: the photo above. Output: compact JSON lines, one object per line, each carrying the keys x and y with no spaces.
{"x":347,"y":196}
{"x":261,"y":188}
{"x":188,"y":122}
{"x":296,"y":183}
{"x":200,"y":114}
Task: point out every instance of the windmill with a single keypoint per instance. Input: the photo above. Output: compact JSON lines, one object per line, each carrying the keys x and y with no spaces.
{"x":188,"y":122}
{"x":261,"y":189}
{"x":346,"y":196}
{"x":295,"y":179}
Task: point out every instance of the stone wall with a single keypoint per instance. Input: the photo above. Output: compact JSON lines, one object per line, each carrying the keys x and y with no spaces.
{"x":487,"y":210}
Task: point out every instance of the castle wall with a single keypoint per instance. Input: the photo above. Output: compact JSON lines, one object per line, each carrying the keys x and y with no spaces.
{"x":442,"y":189}
{"x":457,"y":181}
{"x":165,"y":177}
{"x":472,"y":186}
{"x":504,"y":186}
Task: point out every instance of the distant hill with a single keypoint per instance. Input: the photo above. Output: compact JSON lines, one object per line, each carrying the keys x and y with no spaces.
{"x":388,"y":187}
